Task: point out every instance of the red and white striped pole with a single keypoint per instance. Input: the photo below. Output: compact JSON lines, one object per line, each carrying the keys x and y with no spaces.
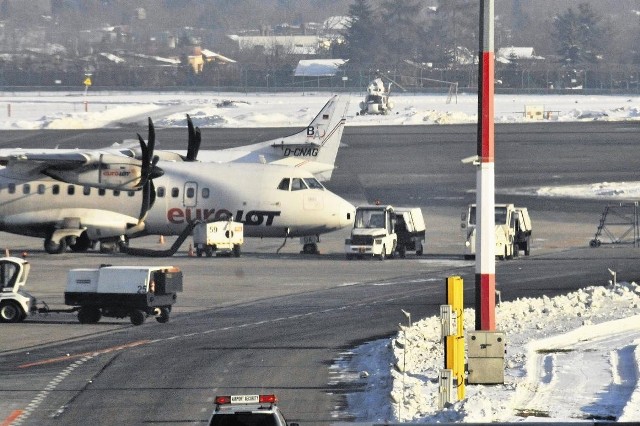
{"x":485,"y":178}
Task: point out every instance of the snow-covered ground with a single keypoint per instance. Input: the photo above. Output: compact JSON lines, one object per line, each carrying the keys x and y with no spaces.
{"x":568,"y":358}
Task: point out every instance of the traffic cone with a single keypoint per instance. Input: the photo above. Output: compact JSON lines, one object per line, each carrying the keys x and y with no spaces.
{"x":161,"y":239}
{"x":24,"y":254}
{"x":190,"y":252}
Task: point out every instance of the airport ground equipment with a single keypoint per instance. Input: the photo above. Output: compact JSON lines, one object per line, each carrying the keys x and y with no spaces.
{"x":377,"y":99}
{"x":410,"y":230}
{"x":15,"y":302}
{"x":123,"y":291}
{"x":222,"y":237}
{"x":512,"y":231}
{"x":620,"y":224}
{"x":247,"y":410}
{"x":373,"y":233}
{"x":110,"y":291}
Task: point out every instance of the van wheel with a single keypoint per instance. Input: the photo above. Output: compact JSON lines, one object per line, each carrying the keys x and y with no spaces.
{"x":164,"y":316}
{"x":137,"y":317}
{"x":236,"y":250}
{"x":89,"y":315}
{"x":383,"y":254}
{"x":10,"y":311}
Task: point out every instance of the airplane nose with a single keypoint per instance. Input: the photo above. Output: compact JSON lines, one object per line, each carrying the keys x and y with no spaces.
{"x":347,"y":214}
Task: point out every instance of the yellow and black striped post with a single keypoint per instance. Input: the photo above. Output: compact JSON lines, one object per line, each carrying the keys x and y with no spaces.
{"x":454,"y":344}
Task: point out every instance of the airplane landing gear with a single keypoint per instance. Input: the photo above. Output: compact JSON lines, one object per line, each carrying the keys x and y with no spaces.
{"x":310,"y":248}
{"x":52,"y":247}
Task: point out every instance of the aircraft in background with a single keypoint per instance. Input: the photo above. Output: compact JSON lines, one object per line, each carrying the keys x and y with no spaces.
{"x":76,"y":198}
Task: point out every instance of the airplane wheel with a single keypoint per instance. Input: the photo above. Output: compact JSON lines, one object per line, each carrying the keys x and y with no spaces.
{"x":55,"y":248}
{"x":310,"y":248}
{"x":82,"y":243}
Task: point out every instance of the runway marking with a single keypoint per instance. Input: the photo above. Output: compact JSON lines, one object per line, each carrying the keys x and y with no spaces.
{"x":12,"y":417}
{"x":84,"y":354}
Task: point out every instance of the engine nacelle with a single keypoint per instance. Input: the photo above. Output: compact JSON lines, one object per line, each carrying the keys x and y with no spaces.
{"x":108,"y":171}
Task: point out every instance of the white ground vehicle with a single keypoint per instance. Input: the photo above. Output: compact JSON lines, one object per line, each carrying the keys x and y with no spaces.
{"x":111,"y":291}
{"x":247,"y":410}
{"x":373,"y":233}
{"x":123,"y":291}
{"x":410,"y":230}
{"x":221,"y":237}
{"x":377,"y":99}
{"x":15,"y":303}
{"x":512,"y":228}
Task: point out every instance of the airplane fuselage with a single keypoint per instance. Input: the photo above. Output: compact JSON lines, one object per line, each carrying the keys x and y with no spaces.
{"x":250,"y":193}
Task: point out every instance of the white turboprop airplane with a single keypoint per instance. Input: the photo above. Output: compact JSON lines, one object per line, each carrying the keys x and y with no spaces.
{"x":75,"y":198}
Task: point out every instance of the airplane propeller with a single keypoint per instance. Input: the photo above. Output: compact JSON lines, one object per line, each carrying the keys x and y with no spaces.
{"x":195,"y":138}
{"x":149,"y":171}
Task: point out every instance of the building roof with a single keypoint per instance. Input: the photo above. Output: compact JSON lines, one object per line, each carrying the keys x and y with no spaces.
{"x":318,"y":67}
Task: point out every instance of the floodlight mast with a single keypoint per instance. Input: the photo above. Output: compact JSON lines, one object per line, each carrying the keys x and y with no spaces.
{"x":485,"y":177}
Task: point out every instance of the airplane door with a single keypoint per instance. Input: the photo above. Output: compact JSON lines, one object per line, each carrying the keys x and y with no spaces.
{"x":190,"y":194}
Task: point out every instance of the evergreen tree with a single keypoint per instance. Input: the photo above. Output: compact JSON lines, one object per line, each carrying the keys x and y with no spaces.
{"x":578,"y":36}
{"x":404,"y":34}
{"x":454,"y":31}
{"x":361,"y":35}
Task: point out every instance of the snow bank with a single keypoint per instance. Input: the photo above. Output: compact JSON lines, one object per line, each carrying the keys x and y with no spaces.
{"x":554,"y":327}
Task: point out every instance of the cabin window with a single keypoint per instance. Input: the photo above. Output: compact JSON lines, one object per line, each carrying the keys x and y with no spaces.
{"x":191,"y":192}
{"x":284,"y":184}
{"x":41,"y":188}
{"x":102,"y":191}
{"x":205,"y":192}
{"x":71,"y":190}
{"x":175,"y":192}
{"x":26,"y":188}
{"x":116,"y":192}
{"x":297,"y":184}
{"x":160,"y":191}
{"x":12,"y":188}
{"x":55,"y":190}
{"x":313,"y":183}
{"x":131,"y":193}
{"x":86,"y":190}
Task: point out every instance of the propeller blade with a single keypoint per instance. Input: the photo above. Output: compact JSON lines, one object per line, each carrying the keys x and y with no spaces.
{"x":198,"y":140}
{"x":192,"y":140}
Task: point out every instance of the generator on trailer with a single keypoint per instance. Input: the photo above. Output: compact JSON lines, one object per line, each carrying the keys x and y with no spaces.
{"x":123,"y":291}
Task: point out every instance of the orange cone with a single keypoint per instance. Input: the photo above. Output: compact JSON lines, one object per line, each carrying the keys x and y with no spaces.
{"x":190,"y":252}
{"x":161,"y":239}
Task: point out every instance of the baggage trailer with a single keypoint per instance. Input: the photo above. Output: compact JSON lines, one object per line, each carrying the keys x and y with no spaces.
{"x":410,"y":230}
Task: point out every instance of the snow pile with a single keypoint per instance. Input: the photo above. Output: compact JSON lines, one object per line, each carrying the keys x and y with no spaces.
{"x":549,"y":342}
{"x":72,"y":110}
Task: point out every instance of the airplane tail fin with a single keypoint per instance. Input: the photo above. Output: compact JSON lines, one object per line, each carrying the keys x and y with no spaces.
{"x":316,"y":147}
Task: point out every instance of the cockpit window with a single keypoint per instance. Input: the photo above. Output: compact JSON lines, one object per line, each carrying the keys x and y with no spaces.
{"x":297,"y":184}
{"x":284,"y":184}
{"x":313,"y":183}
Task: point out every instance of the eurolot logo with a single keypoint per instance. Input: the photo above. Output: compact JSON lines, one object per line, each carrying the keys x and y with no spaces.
{"x":180,"y":216}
